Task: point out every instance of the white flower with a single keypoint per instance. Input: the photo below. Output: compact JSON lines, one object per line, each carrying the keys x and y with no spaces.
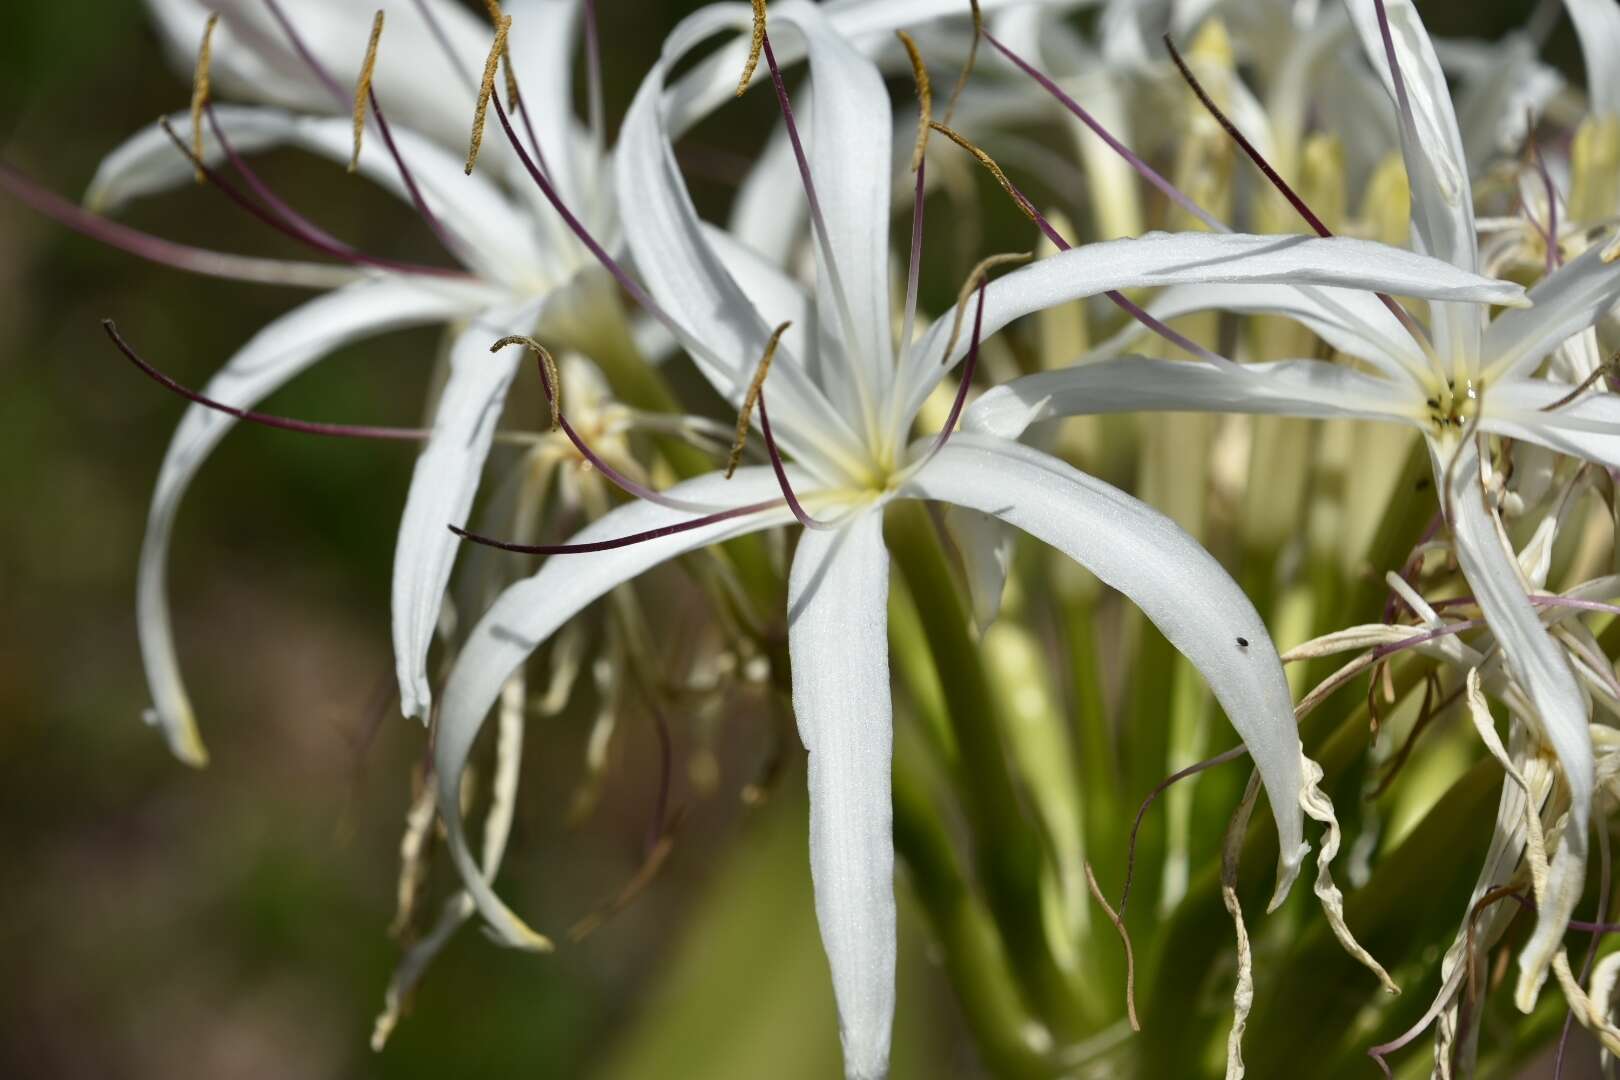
{"x":1475,"y":378}
{"x":524,"y":268}
{"x":842,"y":402}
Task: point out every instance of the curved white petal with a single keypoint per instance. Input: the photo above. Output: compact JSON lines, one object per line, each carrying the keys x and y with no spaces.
{"x":277,"y":353}
{"x":544,"y":36}
{"x":1533,"y":659}
{"x":1588,"y":427}
{"x":495,"y":237}
{"x":848,"y":141}
{"x":443,"y":486}
{"x":1308,"y":388}
{"x":1353,"y":322}
{"x":838,"y":638}
{"x":760,"y":216}
{"x":723,"y":331}
{"x":777,"y":297}
{"x":1567,"y":301}
{"x":1436,"y":165}
{"x":1188,"y":595}
{"x":530,"y":611}
{"x":1597,"y":25}
{"x":1179,"y":258}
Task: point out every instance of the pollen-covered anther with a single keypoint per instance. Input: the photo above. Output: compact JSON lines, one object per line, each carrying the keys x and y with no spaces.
{"x":746,"y":413}
{"x":486,"y":88}
{"x":925,"y":97}
{"x":200,"y":91}
{"x":495,"y":16}
{"x":362,"y":88}
{"x":989,"y":163}
{"x":755,"y":47}
{"x":549,"y":374}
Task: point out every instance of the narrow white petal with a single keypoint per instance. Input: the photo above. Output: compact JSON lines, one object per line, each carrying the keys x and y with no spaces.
{"x":1533,"y":659}
{"x":442,"y":489}
{"x":492,"y":231}
{"x":711,"y":314}
{"x":838,"y":638}
{"x":1567,"y":301}
{"x":532,"y":610}
{"x":543,"y":40}
{"x":1436,"y":165}
{"x":1597,"y":25}
{"x":1180,"y":258}
{"x":849,"y":140}
{"x":1308,"y":388}
{"x":275,"y":355}
{"x":777,"y":297}
{"x":760,"y":216}
{"x":1152,"y":560}
{"x":1588,"y":427}
{"x":1351,"y":321}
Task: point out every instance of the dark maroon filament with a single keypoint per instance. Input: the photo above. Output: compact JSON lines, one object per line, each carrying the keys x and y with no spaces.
{"x":305,"y":427}
{"x":1409,"y":571}
{"x":1555,"y":256}
{"x":332,"y":86}
{"x":969,"y":366}
{"x":626,"y":282}
{"x":141,"y":244}
{"x":1439,"y":632}
{"x":612,"y":475}
{"x":781,"y":471}
{"x":294,"y":227}
{"x":621,"y":541}
{"x":1159,"y":789}
{"x":1275,"y":178}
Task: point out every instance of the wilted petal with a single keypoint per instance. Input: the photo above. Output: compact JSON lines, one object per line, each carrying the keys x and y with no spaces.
{"x":277,"y":353}
{"x":1152,"y":560}
{"x":532,"y":610}
{"x":1308,"y":388}
{"x":442,"y":489}
{"x":838,"y":637}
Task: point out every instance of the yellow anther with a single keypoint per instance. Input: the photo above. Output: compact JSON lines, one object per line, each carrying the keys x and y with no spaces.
{"x":925,"y":97}
{"x":486,"y":88}
{"x":200,"y":92}
{"x":967,"y":68}
{"x":362,"y":89}
{"x":989,"y":163}
{"x":976,"y":277}
{"x":746,"y":413}
{"x":495,"y":17}
{"x":755,"y":47}
{"x":548,"y":372}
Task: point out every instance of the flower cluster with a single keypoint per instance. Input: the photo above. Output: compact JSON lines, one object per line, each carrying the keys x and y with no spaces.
{"x":1395,"y":416}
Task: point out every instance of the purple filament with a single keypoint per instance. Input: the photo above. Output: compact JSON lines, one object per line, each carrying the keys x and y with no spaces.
{"x":792,"y":500}
{"x":305,"y":427}
{"x":621,"y":541}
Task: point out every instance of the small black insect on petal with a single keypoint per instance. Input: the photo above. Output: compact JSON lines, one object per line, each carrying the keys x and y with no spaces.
{"x":1243,"y":642}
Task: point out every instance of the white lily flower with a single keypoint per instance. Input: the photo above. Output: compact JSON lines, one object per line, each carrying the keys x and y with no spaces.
{"x":843,"y":403}
{"x":1476,"y":377}
{"x":526,"y":269}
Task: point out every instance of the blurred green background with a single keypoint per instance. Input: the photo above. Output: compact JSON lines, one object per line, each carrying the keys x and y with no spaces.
{"x":158,"y":922}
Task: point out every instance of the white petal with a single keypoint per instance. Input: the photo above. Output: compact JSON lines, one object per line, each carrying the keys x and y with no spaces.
{"x":777,"y":297}
{"x":1137,"y":550}
{"x":1597,"y":25}
{"x":1308,"y":388}
{"x":1351,"y":321}
{"x":1178,"y":258}
{"x":442,"y":489}
{"x":274,"y":355}
{"x":838,"y":637}
{"x":760,"y":216}
{"x":1567,"y":301}
{"x":1436,"y":165}
{"x":530,"y":611}
{"x":543,"y":39}
{"x":849,"y":140}
{"x":1533,"y":659}
{"x":1588,"y":427}
{"x":1504,"y":85}
{"x":723,"y":331}
{"x":494,"y":234}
